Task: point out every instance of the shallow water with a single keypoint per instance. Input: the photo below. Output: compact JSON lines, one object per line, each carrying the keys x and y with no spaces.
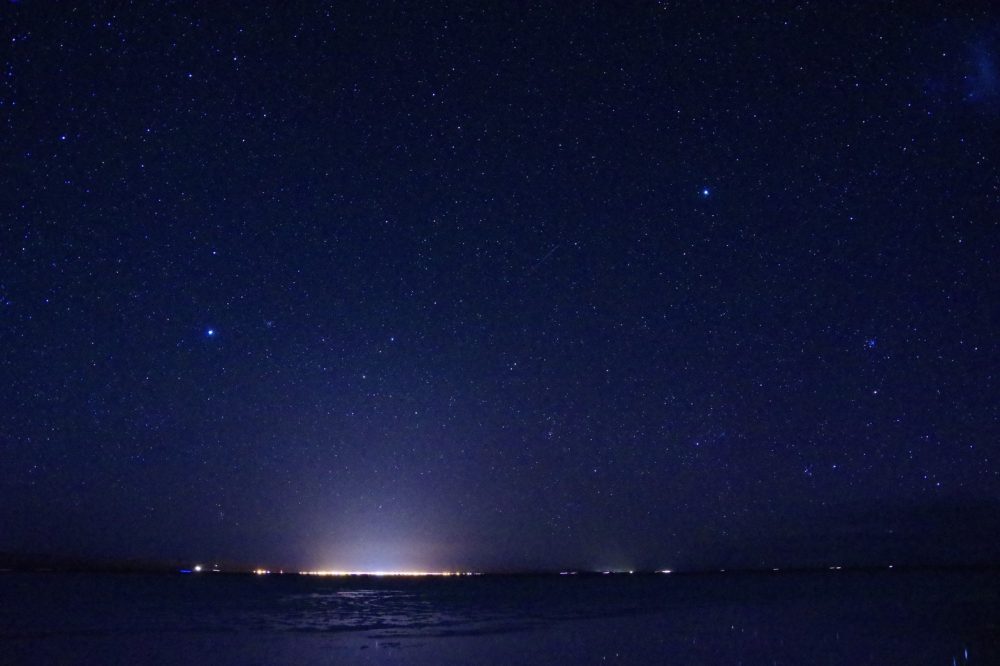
{"x":788,"y":618}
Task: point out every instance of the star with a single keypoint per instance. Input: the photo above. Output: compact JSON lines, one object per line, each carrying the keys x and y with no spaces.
{"x":210,"y":333}
{"x":705,"y":192}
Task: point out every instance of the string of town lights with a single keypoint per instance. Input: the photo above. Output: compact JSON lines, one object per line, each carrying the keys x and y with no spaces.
{"x":198,"y":568}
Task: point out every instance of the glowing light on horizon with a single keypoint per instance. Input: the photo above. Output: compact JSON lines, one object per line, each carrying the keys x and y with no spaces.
{"x":669,"y":571}
{"x":389,"y":573}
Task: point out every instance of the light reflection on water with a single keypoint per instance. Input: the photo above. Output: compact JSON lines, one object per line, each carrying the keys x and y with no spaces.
{"x":392,"y":613}
{"x":424,"y":608}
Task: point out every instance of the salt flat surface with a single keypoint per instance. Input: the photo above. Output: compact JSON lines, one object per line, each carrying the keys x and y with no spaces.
{"x":789,"y":618}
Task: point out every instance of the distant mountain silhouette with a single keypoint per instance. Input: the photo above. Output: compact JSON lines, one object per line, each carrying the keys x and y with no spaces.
{"x":950,"y":532}
{"x":71,"y":562}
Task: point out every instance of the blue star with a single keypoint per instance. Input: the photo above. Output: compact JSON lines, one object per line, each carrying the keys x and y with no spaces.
{"x":210,"y":332}
{"x":705,"y":192}
{"x":871,"y":343}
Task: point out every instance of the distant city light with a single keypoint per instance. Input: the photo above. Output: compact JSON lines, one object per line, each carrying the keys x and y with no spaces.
{"x":388,"y":573}
{"x":668,"y":571}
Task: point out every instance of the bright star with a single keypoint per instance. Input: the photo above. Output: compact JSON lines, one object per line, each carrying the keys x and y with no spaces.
{"x":210,"y":332}
{"x":705,"y":192}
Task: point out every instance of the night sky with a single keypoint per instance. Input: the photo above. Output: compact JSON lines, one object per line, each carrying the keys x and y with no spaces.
{"x":500,"y":285}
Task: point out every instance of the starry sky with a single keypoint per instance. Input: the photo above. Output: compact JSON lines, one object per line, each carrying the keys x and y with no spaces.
{"x":500,"y":285}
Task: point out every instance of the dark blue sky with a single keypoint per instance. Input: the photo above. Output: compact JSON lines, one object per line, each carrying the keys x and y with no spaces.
{"x":429,"y":285}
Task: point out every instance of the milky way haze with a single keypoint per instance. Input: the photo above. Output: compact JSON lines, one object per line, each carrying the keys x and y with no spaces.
{"x":500,"y":286}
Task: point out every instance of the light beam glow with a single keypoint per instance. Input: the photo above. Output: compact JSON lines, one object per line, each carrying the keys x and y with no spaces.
{"x":389,"y":573}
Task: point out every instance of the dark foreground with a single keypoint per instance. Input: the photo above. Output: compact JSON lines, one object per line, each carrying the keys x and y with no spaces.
{"x":892,"y":617}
